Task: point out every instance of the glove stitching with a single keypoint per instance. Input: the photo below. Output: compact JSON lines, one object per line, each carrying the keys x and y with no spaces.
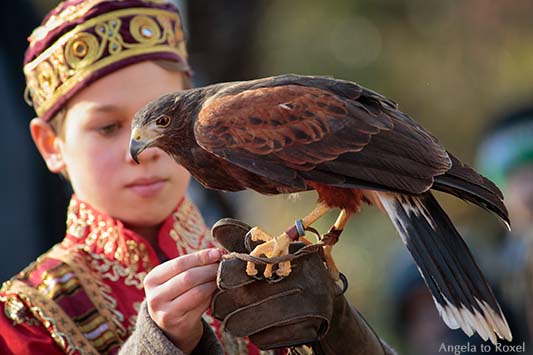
{"x":273,"y":297}
{"x":282,"y":323}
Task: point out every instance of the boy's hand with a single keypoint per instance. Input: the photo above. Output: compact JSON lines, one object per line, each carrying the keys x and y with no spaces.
{"x":178,"y":292}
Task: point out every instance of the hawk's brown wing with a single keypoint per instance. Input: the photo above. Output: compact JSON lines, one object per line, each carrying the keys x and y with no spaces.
{"x":346,"y":136}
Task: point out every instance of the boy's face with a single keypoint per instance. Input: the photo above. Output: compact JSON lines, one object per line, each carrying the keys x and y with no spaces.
{"x":93,"y":148}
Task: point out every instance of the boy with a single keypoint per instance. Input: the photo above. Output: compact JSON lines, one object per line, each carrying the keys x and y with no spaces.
{"x":89,"y":67}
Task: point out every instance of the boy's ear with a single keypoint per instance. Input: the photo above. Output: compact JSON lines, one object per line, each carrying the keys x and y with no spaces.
{"x":48,"y":144}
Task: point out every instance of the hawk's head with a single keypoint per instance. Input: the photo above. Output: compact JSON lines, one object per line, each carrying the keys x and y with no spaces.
{"x":158,"y":124}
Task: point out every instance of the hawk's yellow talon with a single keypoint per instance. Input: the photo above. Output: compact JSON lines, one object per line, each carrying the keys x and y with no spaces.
{"x":250,"y":269}
{"x":284,"y":269}
{"x":272,"y":247}
{"x":268,"y":271}
{"x":259,"y":234}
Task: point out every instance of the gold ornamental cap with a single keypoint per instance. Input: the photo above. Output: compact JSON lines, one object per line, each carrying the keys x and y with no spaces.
{"x":81,"y":41}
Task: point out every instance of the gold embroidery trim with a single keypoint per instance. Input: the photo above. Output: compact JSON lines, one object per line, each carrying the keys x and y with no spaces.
{"x":72,"y":13}
{"x":130,"y":259}
{"x":79,"y":53}
{"x":189,"y":231}
{"x":61,"y":327}
{"x":114,"y":270}
{"x":98,"y":292}
{"x":118,"y":258}
{"x":16,"y":310}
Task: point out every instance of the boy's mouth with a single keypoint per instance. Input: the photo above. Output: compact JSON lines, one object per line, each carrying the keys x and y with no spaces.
{"x":146,"y":186}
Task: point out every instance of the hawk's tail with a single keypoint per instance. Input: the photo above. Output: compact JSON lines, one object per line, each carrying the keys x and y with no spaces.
{"x":462,"y":295}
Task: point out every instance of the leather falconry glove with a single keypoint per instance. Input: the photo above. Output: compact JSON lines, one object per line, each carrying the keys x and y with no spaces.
{"x":306,"y":307}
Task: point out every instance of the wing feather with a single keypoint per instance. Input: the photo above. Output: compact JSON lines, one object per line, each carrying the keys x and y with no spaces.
{"x":319,"y":129}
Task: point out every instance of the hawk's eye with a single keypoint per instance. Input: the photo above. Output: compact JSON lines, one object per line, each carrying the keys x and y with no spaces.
{"x":163,"y":121}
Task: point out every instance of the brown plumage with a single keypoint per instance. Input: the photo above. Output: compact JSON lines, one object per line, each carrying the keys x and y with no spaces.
{"x":295,"y":133}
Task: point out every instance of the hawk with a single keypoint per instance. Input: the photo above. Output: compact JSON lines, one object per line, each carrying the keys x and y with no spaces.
{"x":292,"y":133}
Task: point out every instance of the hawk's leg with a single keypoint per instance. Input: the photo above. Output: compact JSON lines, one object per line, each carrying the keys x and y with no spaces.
{"x":279,"y":245}
{"x":330,"y":238}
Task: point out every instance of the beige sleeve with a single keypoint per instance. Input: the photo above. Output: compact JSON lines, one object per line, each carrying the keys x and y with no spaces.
{"x":149,"y":339}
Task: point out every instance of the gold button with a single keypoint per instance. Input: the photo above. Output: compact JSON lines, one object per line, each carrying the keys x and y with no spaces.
{"x":80,"y":49}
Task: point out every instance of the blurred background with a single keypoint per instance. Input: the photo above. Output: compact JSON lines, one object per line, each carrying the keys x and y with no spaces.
{"x":457,"y":67}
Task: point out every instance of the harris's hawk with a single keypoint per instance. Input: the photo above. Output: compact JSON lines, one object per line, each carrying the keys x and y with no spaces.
{"x":292,"y":133}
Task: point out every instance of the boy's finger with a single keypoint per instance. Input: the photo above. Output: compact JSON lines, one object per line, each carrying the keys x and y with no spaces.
{"x":183,"y":282}
{"x":171,"y":268}
{"x":193,"y":302}
{"x":199,"y":310}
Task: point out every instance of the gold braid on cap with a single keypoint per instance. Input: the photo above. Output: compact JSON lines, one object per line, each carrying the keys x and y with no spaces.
{"x":96,"y":44}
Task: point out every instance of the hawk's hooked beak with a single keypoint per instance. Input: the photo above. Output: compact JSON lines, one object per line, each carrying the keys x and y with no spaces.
{"x":137,"y":144}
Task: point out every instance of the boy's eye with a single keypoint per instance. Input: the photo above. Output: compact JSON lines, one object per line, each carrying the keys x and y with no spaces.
{"x":108,"y":129}
{"x":163,"y":121}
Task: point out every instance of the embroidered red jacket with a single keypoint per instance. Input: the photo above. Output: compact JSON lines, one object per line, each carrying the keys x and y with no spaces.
{"x":82,"y":296}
